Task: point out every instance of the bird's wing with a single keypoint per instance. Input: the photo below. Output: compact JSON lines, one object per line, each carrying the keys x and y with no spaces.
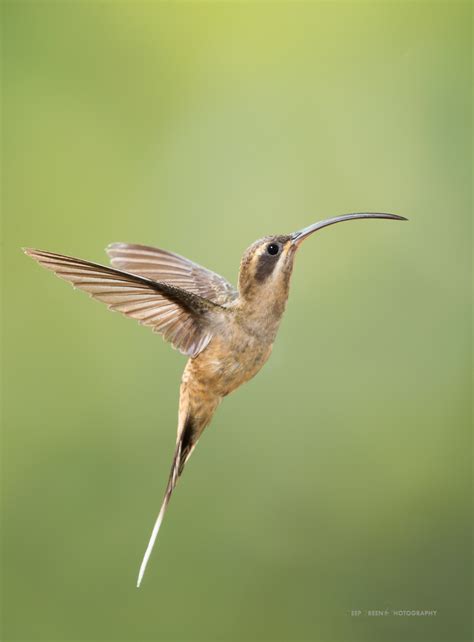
{"x":183,"y":318}
{"x":161,"y":265}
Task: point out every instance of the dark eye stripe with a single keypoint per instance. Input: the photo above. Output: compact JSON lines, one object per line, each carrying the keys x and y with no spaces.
{"x":265,"y":266}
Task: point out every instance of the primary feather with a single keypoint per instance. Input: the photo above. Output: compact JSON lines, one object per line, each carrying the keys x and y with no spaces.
{"x":160,"y":265}
{"x":181,"y":316}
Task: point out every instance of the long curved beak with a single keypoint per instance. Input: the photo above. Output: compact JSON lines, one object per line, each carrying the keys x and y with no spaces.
{"x":299,"y":236}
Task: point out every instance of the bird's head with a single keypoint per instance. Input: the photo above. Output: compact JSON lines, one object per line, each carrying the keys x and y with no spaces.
{"x":267,"y":264}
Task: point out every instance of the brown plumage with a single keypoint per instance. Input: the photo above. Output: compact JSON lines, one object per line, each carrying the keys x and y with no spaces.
{"x":227,"y":333}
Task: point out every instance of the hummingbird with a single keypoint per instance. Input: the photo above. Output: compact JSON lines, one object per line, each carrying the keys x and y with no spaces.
{"x":226,"y":332}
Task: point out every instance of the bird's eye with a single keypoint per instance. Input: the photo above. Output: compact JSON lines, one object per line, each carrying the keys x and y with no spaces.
{"x":273,"y":249}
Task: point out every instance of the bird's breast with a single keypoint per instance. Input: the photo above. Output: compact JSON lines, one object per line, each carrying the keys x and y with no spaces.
{"x":229,"y":361}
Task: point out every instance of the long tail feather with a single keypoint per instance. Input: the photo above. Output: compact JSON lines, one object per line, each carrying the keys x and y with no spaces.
{"x":176,"y":469}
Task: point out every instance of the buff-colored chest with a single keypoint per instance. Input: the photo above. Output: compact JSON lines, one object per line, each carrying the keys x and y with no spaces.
{"x":226,"y":364}
{"x":236,"y":353}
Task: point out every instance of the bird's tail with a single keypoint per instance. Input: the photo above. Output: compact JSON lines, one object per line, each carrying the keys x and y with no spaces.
{"x":181,"y":454}
{"x":190,"y":427}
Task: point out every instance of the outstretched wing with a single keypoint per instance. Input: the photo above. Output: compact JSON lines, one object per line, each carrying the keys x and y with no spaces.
{"x":183,"y":318}
{"x":160,"y":265}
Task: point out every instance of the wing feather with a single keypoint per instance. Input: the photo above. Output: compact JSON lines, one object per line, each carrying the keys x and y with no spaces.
{"x":160,"y":265}
{"x":183,"y":317}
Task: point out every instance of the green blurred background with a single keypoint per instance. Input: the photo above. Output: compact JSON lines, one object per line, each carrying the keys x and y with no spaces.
{"x":338,"y":479}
